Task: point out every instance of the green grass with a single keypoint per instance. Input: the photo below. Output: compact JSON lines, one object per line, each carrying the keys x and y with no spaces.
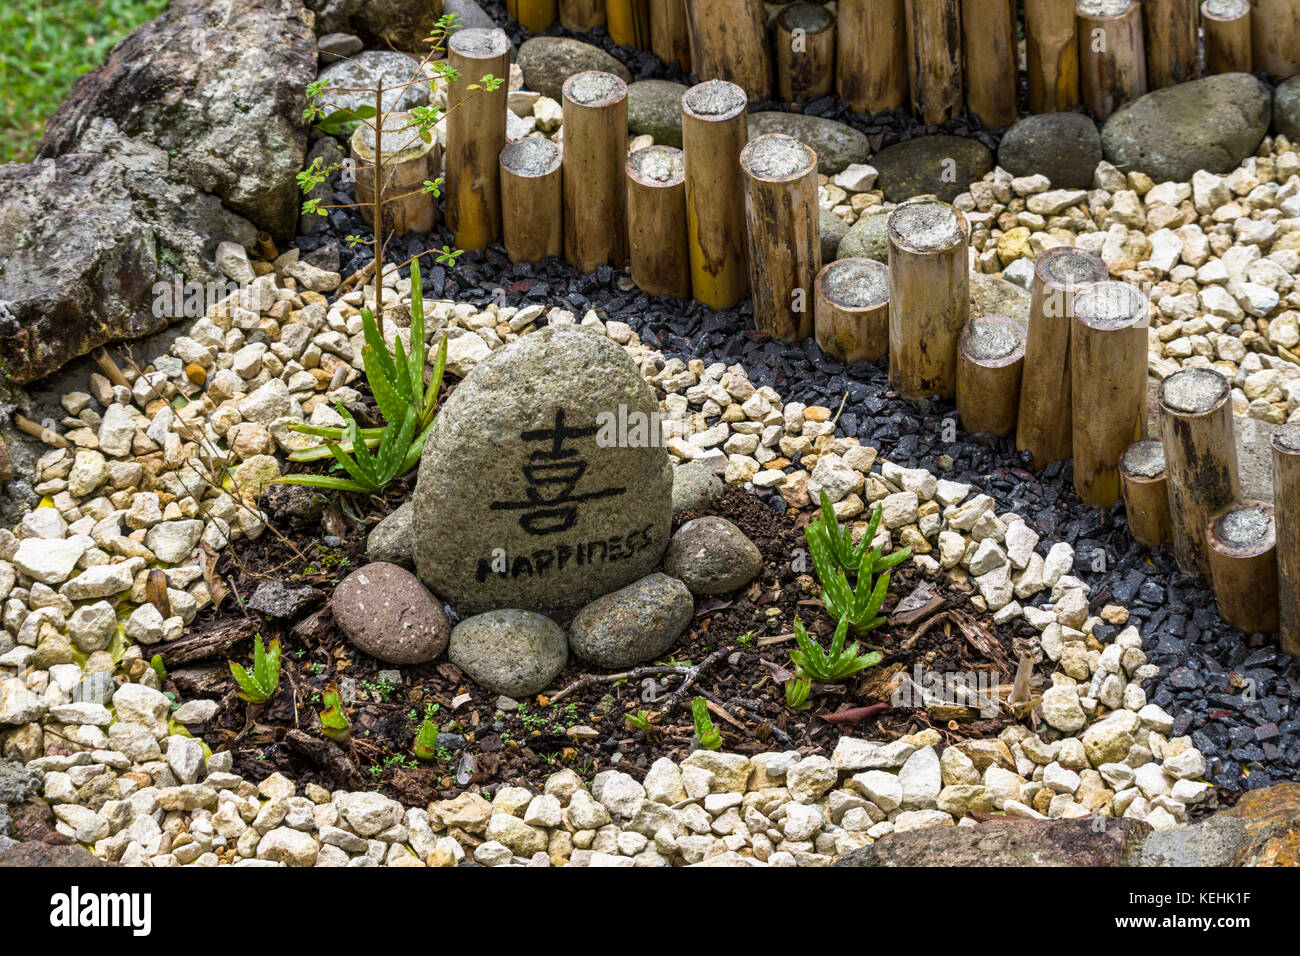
{"x":44,"y":46}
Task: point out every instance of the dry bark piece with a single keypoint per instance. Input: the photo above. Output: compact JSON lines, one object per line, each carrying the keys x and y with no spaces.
{"x":1275,"y":37}
{"x":1052,"y":55}
{"x":729,"y":42}
{"x":990,"y":61}
{"x":871,"y":54}
{"x":670,"y":32}
{"x":1172,"y":48}
{"x":934,"y":66}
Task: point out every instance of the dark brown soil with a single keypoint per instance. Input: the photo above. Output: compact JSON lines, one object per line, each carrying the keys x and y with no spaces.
{"x":744,"y":638}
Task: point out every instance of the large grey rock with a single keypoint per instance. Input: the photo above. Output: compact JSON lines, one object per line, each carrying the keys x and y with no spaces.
{"x":1211,"y":124}
{"x":391,"y":539}
{"x":868,"y":238}
{"x":548,"y":61}
{"x":511,"y":652}
{"x":654,"y":108}
{"x":525,"y":498}
{"x":366,"y":70}
{"x":1064,"y":147}
{"x":634,"y":624}
{"x":712,"y":556}
{"x":833,"y":229}
{"x":939,"y":165}
{"x":835,"y":144}
{"x":385,"y":611}
{"x":223,"y":94}
{"x":1286,"y":108}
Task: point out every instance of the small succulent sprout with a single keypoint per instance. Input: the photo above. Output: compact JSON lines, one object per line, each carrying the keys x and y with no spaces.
{"x":705,"y":732}
{"x":811,"y":661}
{"x":426,"y":741}
{"x":334,"y":720}
{"x":259,"y":686}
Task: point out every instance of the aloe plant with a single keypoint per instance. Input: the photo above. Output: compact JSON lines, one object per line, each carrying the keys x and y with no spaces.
{"x":797,"y":690}
{"x":259,"y":686}
{"x":705,"y":732}
{"x":859,"y":604}
{"x":812,"y":662}
{"x":426,"y":741}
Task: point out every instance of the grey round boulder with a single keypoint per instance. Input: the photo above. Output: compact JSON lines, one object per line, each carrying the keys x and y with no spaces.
{"x":634,"y":624}
{"x":940,"y":165}
{"x":1286,"y":109}
{"x":548,"y":61}
{"x":654,"y":108}
{"x":541,"y":486}
{"x":712,"y":556}
{"x":390,"y":540}
{"x":365,"y":70}
{"x":1210,"y":124}
{"x":511,"y":652}
{"x":694,"y":487}
{"x":868,"y":238}
{"x":1064,"y":147}
{"x":836,"y":145}
{"x":833,"y":229}
{"x":386,"y":612}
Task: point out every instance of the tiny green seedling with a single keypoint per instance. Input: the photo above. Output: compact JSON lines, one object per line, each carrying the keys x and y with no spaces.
{"x":426,"y":741}
{"x":261,"y":685}
{"x":797,"y":690}
{"x":705,"y":732}
{"x":334,"y":720}
{"x":811,"y":661}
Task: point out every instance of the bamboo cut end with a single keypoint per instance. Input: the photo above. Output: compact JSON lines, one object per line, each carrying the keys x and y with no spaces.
{"x":1194,"y":391}
{"x":657,"y":166}
{"x":595,"y":89}
{"x":715,"y":100}
{"x":926,"y":226}
{"x":993,"y":341}
{"x":478,"y":43}
{"x":777,"y":158}
{"x":1111,"y":306}
{"x":531,"y":158}
{"x":1286,"y":440}
{"x":1144,"y":460}
{"x":1225,"y":9}
{"x":1103,"y":8}
{"x":1243,"y":530}
{"x":1064,"y":267}
{"x":808,"y":17}
{"x":855,"y":283}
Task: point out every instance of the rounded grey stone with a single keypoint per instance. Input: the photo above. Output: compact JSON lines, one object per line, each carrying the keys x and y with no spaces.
{"x":868,"y":238}
{"x":365,"y":70}
{"x":386,"y":612}
{"x":511,"y":652}
{"x":637,"y":623}
{"x":530,"y":494}
{"x":694,"y":487}
{"x":712,"y":556}
{"x":654,"y":108}
{"x":920,"y":166}
{"x":832,"y":231}
{"x":1211,"y":124}
{"x":390,"y":540}
{"x":548,"y":61}
{"x":1064,"y":147}
{"x":1286,"y":108}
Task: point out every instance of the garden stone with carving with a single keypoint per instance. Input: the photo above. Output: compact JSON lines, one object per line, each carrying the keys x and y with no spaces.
{"x":530,"y":495}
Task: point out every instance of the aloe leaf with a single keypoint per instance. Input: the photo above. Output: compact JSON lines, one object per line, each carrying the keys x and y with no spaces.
{"x":330,"y":482}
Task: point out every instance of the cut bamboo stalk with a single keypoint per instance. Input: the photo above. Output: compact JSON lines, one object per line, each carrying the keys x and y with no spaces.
{"x":628,"y":22}
{"x":715,"y":128}
{"x":266,"y":246}
{"x":47,"y":435}
{"x":729,"y":42}
{"x":1275,"y":37}
{"x":782,"y":216}
{"x":476,"y":134}
{"x":1200,"y":458}
{"x":536,"y":16}
{"x":532,"y":200}
{"x":656,"y":221}
{"x":1243,"y":565}
{"x":1286,"y":508}
{"x":1172,"y":46}
{"x":1043,"y":426}
{"x":1227,"y":36}
{"x":1146,"y":492}
{"x":670,"y":33}
{"x":990,"y":64}
{"x":1051,"y":55}
{"x":851,"y":310}
{"x":871,"y":55}
{"x":805,"y":51}
{"x":989,"y":363}
{"x":1112,"y":60}
{"x":929,"y":280}
{"x":595,"y":152}
{"x":405,"y":171}
{"x":1108,"y":376}
{"x":934,"y":58}
{"x":582,"y":16}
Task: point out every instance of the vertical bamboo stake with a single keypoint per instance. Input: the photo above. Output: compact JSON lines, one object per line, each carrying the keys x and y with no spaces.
{"x":535,"y":16}
{"x":1108,"y":377}
{"x":1243,"y":565}
{"x":729,"y":42}
{"x":1227,"y":36}
{"x":656,"y":221}
{"x":1112,"y":60}
{"x":1043,"y":426}
{"x":784,"y":236}
{"x":929,"y":281}
{"x":595,"y":151}
{"x":1146,"y":492}
{"x":1275,"y":37}
{"x":1051,"y":55}
{"x":989,"y":362}
{"x":990,"y":63}
{"x":934,"y":58}
{"x":532,"y":200}
{"x":871,"y":54}
{"x":670,"y":32}
{"x":1286,"y":507}
{"x":476,"y":133}
{"x":805,"y":51}
{"x":1200,"y":458}
{"x":715,"y":128}
{"x":851,"y":310}
{"x":629,"y":22}
{"x":1173,"y":49}
{"x":582,"y":16}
